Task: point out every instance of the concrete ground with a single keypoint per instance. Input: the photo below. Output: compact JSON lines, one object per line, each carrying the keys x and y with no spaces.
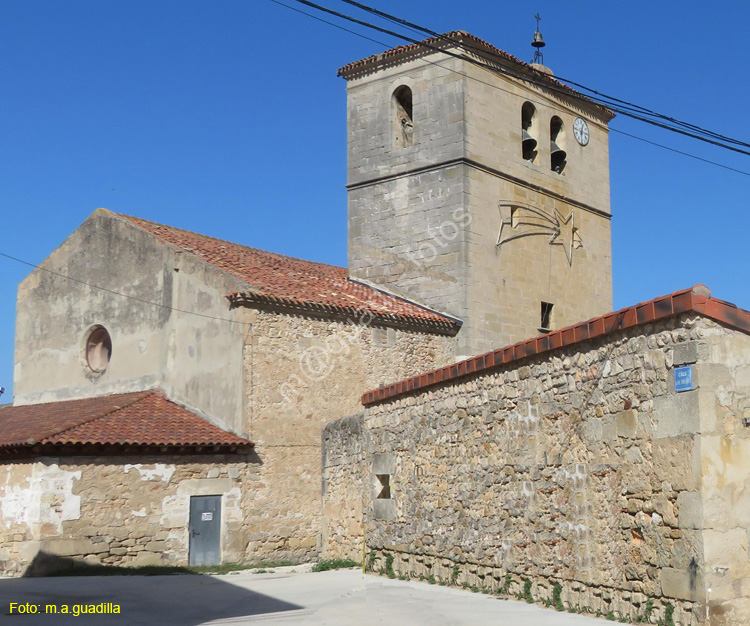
{"x":337,"y":598}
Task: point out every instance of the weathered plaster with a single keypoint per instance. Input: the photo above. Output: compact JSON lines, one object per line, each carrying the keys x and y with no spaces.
{"x":159,"y":471}
{"x":109,"y":511}
{"x":38,"y":496}
{"x":195,"y":359}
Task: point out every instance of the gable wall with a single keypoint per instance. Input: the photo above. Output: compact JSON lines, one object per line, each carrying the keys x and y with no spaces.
{"x":196,"y":360}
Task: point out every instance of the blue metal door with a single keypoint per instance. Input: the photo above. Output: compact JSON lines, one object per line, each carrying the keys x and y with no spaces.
{"x":205,"y":530}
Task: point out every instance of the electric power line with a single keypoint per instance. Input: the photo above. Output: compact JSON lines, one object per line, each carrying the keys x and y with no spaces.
{"x":481,"y":52}
{"x":117,"y":293}
{"x":494,"y":86}
{"x":320,"y":19}
{"x":687,"y":154}
{"x":626,"y":109}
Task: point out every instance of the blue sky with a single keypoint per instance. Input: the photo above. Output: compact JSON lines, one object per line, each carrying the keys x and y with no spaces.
{"x":227,"y":118}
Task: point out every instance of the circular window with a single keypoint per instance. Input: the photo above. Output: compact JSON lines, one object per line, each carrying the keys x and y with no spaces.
{"x":98,"y":349}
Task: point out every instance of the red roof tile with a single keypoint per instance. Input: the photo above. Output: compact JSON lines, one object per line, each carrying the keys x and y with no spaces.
{"x":696,"y":299}
{"x":445,"y":41}
{"x":286,"y":281}
{"x":143,"y":418}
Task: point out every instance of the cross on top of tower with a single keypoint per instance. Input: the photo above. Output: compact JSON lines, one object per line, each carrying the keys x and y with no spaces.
{"x":538,"y":43}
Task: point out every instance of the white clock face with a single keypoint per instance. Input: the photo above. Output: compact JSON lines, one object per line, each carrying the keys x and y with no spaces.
{"x":581,"y":131}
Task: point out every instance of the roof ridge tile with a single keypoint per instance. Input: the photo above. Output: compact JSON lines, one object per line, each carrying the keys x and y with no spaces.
{"x":456,"y":36}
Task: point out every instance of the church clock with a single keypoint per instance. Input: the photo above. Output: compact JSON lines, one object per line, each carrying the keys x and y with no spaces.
{"x":581,"y":131}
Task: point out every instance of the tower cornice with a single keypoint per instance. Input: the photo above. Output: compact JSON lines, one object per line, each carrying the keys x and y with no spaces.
{"x":479,"y":50}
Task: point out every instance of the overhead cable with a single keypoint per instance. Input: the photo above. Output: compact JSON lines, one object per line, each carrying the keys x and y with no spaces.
{"x":619,"y":106}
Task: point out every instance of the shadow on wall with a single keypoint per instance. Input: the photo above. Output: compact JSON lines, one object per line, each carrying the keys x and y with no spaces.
{"x":164,"y":599}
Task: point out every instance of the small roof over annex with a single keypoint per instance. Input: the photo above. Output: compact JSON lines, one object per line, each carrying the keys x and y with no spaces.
{"x":697,"y":299}
{"x":280,"y":281}
{"x":144,"y":421}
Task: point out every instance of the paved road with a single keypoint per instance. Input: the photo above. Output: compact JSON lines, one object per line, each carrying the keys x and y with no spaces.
{"x":339,"y":598}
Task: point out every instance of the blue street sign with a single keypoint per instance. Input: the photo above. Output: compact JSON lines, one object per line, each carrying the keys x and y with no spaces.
{"x":683,"y":378}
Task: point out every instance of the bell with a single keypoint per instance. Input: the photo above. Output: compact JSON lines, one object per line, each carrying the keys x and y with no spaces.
{"x":528,"y":142}
{"x":538,"y":41}
{"x":557,"y":157}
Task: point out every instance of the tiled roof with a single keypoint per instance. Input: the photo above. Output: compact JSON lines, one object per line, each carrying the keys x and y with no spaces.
{"x":445,"y":41}
{"x":285,"y":281}
{"x":696,"y":299}
{"x":137,"y":419}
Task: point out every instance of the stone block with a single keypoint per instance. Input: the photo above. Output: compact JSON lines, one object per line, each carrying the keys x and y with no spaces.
{"x":626,"y":423}
{"x":609,"y":429}
{"x":68,"y":547}
{"x":663,"y":505}
{"x":712,"y":375}
{"x":634,"y":455}
{"x":685,"y":353}
{"x":147,"y":558}
{"x":728,"y":548}
{"x":682,"y":584}
{"x":690,"y":510}
{"x":676,"y":462}
{"x":742,"y":377}
{"x":593,"y":430}
{"x":384,"y":509}
{"x":383,"y":463}
{"x":308,"y":542}
{"x":205,"y":486}
{"x":174,"y":521}
{"x":676,"y":414}
{"x":28,"y":550}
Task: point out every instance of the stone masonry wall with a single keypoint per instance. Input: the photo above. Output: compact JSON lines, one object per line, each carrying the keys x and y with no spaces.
{"x":424,"y":220}
{"x":301,"y":372}
{"x":118,"y":510}
{"x":581,"y":468}
{"x":345,"y":454}
{"x":723,"y":405}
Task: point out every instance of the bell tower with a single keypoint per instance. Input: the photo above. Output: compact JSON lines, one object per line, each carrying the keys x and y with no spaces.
{"x":478,"y":185}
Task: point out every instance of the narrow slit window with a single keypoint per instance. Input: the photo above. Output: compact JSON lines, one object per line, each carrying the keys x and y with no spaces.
{"x":528,"y":132}
{"x":385,"y":486}
{"x":404,"y":121}
{"x":546,"y":320}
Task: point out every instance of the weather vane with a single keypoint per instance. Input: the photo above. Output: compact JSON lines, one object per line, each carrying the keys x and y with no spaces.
{"x":538,"y":42}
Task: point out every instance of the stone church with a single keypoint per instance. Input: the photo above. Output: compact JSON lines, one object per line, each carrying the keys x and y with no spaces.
{"x":182,"y":399}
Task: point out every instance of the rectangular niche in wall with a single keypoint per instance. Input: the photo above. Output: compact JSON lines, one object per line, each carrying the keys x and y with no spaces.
{"x":383,"y":468}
